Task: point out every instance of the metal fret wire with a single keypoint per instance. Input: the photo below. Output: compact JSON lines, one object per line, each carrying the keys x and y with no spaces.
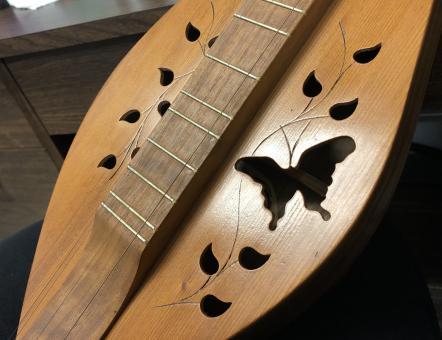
{"x":208,"y":131}
{"x":31,"y":308}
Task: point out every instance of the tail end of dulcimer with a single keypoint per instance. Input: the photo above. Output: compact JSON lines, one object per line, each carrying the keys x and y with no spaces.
{"x":241,"y":153}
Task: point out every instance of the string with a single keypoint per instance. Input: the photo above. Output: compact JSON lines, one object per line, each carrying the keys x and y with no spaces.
{"x":189,"y":159}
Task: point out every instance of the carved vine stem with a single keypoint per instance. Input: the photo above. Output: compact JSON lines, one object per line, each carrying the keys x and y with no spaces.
{"x":298,"y":119}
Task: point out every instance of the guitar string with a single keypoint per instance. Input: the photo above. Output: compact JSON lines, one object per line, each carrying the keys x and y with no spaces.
{"x":205,"y":136}
{"x":191,"y":156}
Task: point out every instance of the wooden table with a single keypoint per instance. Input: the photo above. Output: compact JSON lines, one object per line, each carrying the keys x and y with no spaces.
{"x":53,"y":61}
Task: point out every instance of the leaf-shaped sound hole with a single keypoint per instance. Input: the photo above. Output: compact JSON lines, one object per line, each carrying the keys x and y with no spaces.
{"x":251,"y":259}
{"x":212,"y":41}
{"x":312,"y":87}
{"x":163,"y":107}
{"x":134,"y":152}
{"x":208,"y":262}
{"x":312,"y":176}
{"x":108,"y":162}
{"x":131,"y":116}
{"x":167,"y":76}
{"x":342,"y":111}
{"x":192,"y":33}
{"x":366,"y":55}
{"x":213,"y":307}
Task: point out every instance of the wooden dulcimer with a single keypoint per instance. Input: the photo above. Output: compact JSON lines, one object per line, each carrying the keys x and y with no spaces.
{"x":232,"y":166}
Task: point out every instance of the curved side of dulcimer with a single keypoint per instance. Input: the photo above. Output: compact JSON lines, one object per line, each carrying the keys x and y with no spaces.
{"x":89,"y":171}
{"x":291,"y":203}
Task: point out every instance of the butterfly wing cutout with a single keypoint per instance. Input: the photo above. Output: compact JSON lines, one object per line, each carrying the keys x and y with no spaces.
{"x":319,"y":162}
{"x":273,"y":179}
{"x":312,"y":176}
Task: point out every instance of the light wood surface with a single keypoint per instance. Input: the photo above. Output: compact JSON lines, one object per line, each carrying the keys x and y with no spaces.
{"x":229,"y":214}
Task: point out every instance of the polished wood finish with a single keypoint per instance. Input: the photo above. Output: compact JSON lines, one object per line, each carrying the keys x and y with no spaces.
{"x":77,"y":51}
{"x":27,"y":174}
{"x":167,"y":305}
{"x":29,"y":112}
{"x":61,"y":85}
{"x":68,"y":23}
{"x":141,"y":93}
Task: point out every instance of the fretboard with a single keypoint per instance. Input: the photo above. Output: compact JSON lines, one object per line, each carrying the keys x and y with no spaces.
{"x":211,"y":105}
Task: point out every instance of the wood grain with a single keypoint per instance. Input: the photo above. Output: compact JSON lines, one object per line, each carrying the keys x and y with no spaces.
{"x":75,"y":22}
{"x":144,"y":91}
{"x":62,"y":84}
{"x":27,"y":174}
{"x":29,"y":113}
{"x":304,"y":244}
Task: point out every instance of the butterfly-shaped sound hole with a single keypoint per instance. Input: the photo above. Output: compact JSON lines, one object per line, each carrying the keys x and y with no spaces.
{"x":312,"y":176}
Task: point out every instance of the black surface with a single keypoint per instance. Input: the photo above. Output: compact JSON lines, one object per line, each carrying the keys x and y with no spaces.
{"x":383,"y":296}
{"x":16,"y":255}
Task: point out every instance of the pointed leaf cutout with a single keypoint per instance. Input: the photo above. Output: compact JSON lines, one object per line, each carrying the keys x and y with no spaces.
{"x":212,"y":307}
{"x":312,"y":87}
{"x":212,"y":41}
{"x":131,"y":116}
{"x":251,"y":259}
{"x":134,"y":152}
{"x":192,"y":33}
{"x":108,"y":162}
{"x":167,"y":76}
{"x":208,"y":262}
{"x":342,"y":111}
{"x":365,"y":55}
{"x":312,"y":176}
{"x":163,"y":107}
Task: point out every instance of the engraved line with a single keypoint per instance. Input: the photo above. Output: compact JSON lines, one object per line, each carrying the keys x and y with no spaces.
{"x":171,"y":109}
{"x":280,"y":4}
{"x":119,"y":219}
{"x":225,"y":115}
{"x":257,"y":23}
{"x":119,"y":199}
{"x":171,"y":154}
{"x":222,"y":62}
{"x":135,"y":172}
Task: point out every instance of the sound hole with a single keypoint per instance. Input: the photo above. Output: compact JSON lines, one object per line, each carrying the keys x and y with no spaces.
{"x":312,"y":177}
{"x":251,"y":259}
{"x":212,"y":41}
{"x":312,"y":87}
{"x":366,"y":55}
{"x":163,"y":107}
{"x":208,"y":262}
{"x":167,"y":76}
{"x":192,"y":33}
{"x":134,"y":152}
{"x":213,"y":307}
{"x":131,"y":116}
{"x":108,"y":162}
{"x":342,"y":111}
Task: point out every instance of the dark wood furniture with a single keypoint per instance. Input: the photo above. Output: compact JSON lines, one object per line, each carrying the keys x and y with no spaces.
{"x":53,"y":61}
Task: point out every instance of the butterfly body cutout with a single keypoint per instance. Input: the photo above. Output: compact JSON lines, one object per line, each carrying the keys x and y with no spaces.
{"x":312,"y":176}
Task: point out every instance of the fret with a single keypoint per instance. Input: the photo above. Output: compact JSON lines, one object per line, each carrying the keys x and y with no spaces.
{"x":132,"y":210}
{"x":191,"y":121}
{"x":211,"y":107}
{"x":248,"y":74}
{"x":280,"y":4}
{"x":125,"y":224}
{"x":171,"y":154}
{"x":199,"y":116}
{"x":150,"y":183}
{"x":242,"y":17}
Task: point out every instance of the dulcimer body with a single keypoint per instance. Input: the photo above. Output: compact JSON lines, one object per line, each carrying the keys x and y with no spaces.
{"x":231,"y":168}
